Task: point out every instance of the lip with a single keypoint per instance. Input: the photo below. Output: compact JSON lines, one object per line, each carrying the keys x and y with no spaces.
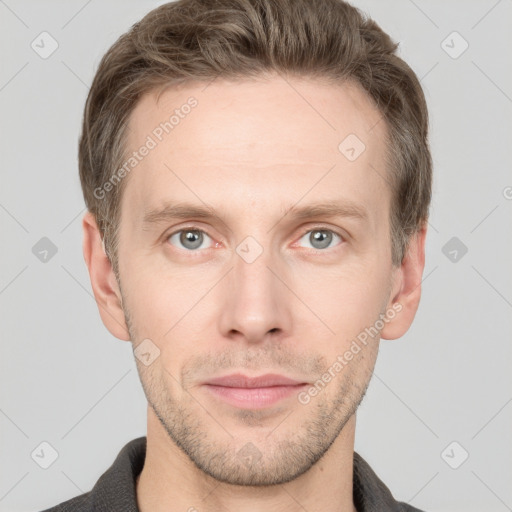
{"x":238,"y":380}
{"x":253,"y":392}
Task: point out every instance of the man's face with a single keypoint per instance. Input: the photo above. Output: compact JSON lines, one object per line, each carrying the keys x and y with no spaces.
{"x":255,"y":289}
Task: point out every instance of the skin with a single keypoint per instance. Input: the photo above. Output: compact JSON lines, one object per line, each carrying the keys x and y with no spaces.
{"x":251,"y":150}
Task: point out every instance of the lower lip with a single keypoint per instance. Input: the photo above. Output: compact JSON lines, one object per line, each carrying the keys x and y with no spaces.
{"x":254,"y":398}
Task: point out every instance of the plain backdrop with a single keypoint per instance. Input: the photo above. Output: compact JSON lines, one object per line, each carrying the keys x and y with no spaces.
{"x":440,"y":394}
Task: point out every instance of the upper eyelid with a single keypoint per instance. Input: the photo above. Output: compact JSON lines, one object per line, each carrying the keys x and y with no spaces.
{"x":185,"y":228}
{"x":323,"y":228}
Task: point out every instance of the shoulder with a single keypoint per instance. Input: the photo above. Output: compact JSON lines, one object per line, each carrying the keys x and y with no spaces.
{"x":405,"y":507}
{"x":115,"y":489}
{"x":370,"y":492}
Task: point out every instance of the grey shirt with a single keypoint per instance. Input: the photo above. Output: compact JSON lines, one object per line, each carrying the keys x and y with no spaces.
{"x":115,"y":489}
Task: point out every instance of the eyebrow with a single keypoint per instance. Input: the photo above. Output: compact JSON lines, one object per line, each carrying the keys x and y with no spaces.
{"x":172,"y":211}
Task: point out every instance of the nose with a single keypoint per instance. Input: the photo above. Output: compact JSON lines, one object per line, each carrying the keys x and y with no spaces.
{"x":255,"y":300}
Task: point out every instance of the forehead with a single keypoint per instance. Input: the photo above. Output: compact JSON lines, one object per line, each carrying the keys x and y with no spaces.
{"x":264,"y":142}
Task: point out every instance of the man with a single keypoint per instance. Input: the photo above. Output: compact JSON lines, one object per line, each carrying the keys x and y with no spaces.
{"x":258,"y":178}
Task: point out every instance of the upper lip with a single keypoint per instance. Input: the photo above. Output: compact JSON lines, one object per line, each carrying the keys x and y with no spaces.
{"x":237,"y":380}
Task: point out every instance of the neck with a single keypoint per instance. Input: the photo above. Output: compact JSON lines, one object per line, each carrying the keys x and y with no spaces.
{"x":170,"y":481}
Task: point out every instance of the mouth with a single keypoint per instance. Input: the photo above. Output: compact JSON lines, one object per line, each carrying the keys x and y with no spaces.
{"x":253,"y":392}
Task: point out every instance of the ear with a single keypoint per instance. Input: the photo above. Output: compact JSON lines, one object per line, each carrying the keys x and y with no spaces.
{"x":406,"y":288}
{"x":103,"y":280}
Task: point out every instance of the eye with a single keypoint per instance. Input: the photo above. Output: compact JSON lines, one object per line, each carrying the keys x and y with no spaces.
{"x":192,"y":238}
{"x":320,"y":238}
{"x":189,"y":238}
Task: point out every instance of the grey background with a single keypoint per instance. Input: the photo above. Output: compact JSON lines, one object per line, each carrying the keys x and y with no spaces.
{"x":65,"y":380}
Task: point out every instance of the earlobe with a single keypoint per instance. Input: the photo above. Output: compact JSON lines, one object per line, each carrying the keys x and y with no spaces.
{"x":104,"y":284}
{"x":406,"y":290}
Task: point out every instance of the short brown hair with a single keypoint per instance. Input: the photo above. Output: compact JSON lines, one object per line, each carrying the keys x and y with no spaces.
{"x":199,"y":40}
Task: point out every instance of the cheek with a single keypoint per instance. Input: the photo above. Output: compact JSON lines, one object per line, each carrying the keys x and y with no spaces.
{"x":170,"y":309}
{"x":350,"y":305}
{"x":163,"y":294}
{"x":347,"y":299}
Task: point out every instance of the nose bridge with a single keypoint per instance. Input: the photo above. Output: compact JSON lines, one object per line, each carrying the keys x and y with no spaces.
{"x":256,"y":301}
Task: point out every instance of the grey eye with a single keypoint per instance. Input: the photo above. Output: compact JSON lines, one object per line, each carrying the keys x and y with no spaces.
{"x":320,"y":238}
{"x":189,"y":239}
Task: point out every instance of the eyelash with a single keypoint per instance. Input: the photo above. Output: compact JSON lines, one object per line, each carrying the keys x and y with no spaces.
{"x":315,"y":228}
